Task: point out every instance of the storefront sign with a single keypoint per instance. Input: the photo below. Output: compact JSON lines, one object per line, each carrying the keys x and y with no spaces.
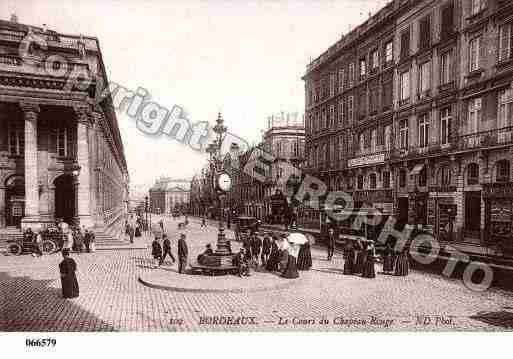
{"x":367,"y":160}
{"x":498,"y":190}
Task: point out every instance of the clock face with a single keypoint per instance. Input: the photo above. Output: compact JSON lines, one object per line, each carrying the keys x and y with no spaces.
{"x":224,"y":182}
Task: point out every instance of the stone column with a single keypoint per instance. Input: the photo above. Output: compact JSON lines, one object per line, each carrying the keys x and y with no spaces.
{"x":84,"y":178}
{"x":2,"y":206}
{"x":31,"y":218}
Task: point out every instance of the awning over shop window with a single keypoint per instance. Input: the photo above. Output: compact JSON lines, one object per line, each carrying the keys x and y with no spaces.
{"x":416,"y":170}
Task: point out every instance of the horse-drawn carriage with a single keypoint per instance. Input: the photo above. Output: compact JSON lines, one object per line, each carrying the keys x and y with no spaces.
{"x":52,"y":241}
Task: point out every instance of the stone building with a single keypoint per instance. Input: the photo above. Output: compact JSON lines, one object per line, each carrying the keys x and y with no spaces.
{"x":438,"y":150}
{"x":168,"y":194}
{"x":61,"y":154}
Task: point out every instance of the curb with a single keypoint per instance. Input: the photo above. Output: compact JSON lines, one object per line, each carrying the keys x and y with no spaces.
{"x":286,"y":284}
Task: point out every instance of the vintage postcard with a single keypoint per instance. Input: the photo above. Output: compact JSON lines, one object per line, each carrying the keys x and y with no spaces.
{"x":255,"y":166}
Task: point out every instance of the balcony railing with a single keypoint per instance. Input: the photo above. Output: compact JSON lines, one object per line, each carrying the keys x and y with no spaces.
{"x":494,"y":137}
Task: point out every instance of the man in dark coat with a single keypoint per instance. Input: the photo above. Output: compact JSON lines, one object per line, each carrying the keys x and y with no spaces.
{"x":166,"y":246}
{"x":330,"y":242}
{"x":241,"y":263}
{"x":87,"y":241}
{"x":256,"y":244}
{"x":266,"y":249}
{"x":183,"y":252}
{"x":156,"y":251}
{"x":69,"y":281}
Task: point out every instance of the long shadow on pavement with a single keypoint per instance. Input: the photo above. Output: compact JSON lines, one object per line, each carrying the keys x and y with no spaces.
{"x":34,"y":305}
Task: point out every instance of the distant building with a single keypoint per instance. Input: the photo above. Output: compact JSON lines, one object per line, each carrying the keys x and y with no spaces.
{"x":168,"y":194}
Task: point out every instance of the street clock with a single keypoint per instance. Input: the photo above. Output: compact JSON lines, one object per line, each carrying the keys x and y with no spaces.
{"x":224,"y":182}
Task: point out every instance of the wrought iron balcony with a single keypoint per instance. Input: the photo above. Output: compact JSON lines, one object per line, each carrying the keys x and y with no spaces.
{"x":496,"y":137}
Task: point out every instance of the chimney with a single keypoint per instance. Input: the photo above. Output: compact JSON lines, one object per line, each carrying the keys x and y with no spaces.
{"x":44,"y":28}
{"x":14,"y":18}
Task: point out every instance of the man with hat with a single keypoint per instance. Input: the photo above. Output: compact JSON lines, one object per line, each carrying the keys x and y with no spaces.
{"x":266,"y":248}
{"x":166,"y":246}
{"x":183,"y":252}
{"x":241,"y":263}
{"x":256,"y":244}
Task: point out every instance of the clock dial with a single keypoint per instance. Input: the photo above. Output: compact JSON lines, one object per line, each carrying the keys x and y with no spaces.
{"x":224,"y":182}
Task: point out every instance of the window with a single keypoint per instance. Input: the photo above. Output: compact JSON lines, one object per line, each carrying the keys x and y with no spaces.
{"x":503,"y":171}
{"x":360,"y":182}
{"x":372,"y":181}
{"x":332,"y":84}
{"x":505,"y":42}
{"x":373,"y":139}
{"x":351,"y":75}
{"x":405,"y":86}
{"x":447,"y":20}
{"x":445,"y":176}
{"x":403,"y":134}
{"x":478,"y":6}
{"x":445,"y":125}
{"x":423,"y":177}
{"x":402,"y":178}
{"x":388,"y":94}
{"x":350,"y":108}
{"x":16,"y":141}
{"x":405,"y":44}
{"x":425,"y":33}
{"x":375,"y":59}
{"x":361,"y":142}
{"x":363,"y":102}
{"x":64,"y":142}
{"x":363,"y":68}
{"x":387,"y":136}
{"x":445,"y":68}
{"x":341,"y":153}
{"x":341,"y":112}
{"x":425,"y":77}
{"x":323,"y":119}
{"x":472,"y":174}
{"x":341,"y":80}
{"x":505,"y":108}
{"x":332,"y":116}
{"x":386,"y":179}
{"x":374,"y":100}
{"x":474,"y":54}
{"x":423,"y":130}
{"x":332,"y":151}
{"x":389,"y":53}
{"x":474,"y":115}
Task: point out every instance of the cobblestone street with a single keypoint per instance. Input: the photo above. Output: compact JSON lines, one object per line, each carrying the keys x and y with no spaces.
{"x":112,"y":299}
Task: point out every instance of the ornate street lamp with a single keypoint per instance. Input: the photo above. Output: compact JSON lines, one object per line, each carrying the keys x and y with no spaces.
{"x":221,"y":184}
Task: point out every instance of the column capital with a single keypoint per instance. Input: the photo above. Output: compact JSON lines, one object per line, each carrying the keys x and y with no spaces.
{"x":82,"y":114}
{"x":30,"y":110}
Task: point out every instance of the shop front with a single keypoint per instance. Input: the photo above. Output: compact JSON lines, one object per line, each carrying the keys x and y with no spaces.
{"x":498,"y":199}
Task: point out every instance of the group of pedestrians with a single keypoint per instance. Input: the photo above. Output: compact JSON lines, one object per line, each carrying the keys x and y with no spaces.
{"x":161,"y":248}
{"x":134,"y":227}
{"x":360,"y":259}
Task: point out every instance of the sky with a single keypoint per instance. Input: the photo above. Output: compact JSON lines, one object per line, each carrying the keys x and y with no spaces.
{"x":243,"y":58}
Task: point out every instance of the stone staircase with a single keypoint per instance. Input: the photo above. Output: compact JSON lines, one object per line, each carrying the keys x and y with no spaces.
{"x":106,"y":239}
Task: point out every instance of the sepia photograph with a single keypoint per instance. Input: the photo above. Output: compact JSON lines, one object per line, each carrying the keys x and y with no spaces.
{"x":333,"y":166}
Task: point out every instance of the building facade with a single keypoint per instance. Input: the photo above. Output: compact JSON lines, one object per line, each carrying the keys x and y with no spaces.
{"x":169,"y":194}
{"x":422,"y":93}
{"x":61,"y":154}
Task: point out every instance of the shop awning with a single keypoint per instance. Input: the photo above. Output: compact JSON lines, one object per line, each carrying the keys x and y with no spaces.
{"x":416,"y":170}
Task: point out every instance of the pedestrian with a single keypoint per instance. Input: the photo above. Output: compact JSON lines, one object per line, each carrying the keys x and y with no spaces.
{"x":402,"y":265}
{"x":256,"y":245}
{"x":330,"y":242}
{"x":161,"y":224}
{"x":156,"y":252}
{"x":304,"y":258}
{"x":266,"y":249}
{"x":208,"y":252}
{"x":131,"y":232}
{"x":166,"y":245}
{"x":388,"y":259}
{"x":92,"y":241}
{"x":359,"y":249}
{"x":291,"y":249}
{"x":203,"y":222}
{"x":67,"y":269}
{"x":246,"y":244}
{"x":368,"y":268}
{"x":242,"y":264}
{"x":274,"y":256}
{"x":183,"y":252}
{"x":39,"y":244}
{"x":349,"y":254}
{"x":87,"y":241}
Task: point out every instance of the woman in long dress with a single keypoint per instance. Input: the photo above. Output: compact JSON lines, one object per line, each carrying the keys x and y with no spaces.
{"x":274,"y":257}
{"x":292,"y":251}
{"x":69,"y":281}
{"x":360,"y":257}
{"x":349,"y":254}
{"x":304,"y":258}
{"x":368,"y":268}
{"x":388,"y":259}
{"x":402,"y":266}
